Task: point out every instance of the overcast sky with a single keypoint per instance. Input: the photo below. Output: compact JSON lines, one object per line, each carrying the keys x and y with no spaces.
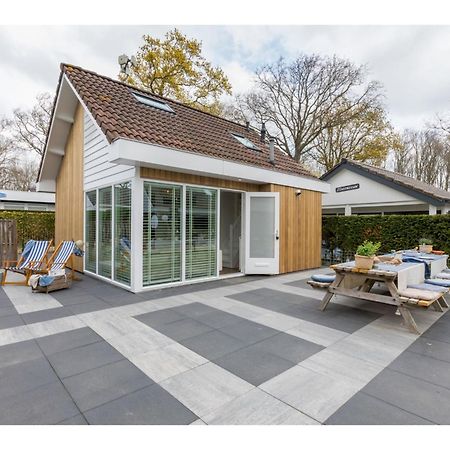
{"x":412,"y":63}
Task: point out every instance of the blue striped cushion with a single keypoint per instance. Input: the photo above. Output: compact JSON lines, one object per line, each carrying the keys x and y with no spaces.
{"x":323,"y":278}
{"x":438,"y":282}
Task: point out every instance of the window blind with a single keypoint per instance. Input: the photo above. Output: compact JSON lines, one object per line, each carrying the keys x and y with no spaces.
{"x":161,"y":233}
{"x":105,"y":232}
{"x":201,"y":232}
{"x":122,"y":232}
{"x":90,"y":257}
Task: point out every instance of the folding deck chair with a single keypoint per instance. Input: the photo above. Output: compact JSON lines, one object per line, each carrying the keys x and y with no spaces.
{"x":32,"y":260}
{"x":60,"y":258}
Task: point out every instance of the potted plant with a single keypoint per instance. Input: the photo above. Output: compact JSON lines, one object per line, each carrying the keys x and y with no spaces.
{"x":365,"y":254}
{"x":425,"y":245}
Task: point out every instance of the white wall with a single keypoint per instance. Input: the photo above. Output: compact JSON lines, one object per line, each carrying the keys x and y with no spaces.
{"x":369,"y":192}
{"x":97,"y":170}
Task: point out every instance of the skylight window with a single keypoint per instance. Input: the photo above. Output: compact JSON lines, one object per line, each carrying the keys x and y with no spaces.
{"x":152,"y":102}
{"x":244,"y":141}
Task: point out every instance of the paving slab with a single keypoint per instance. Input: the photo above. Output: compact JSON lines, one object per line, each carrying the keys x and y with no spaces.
{"x":149,"y":406}
{"x":253,"y":364}
{"x":426,"y":400}
{"x":78,"y":360}
{"x":257,"y":408}
{"x":103,"y":384}
{"x":10,"y":321}
{"x":429,"y":347}
{"x":363,"y":409}
{"x":205,"y":388}
{"x":248,"y":331}
{"x":19,"y":352}
{"x":182,"y":329}
{"x":43,"y":405}
{"x":75,"y":420}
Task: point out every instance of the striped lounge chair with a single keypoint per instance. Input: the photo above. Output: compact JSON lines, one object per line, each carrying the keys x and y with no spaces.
{"x":33,"y":258}
{"x":60,"y":258}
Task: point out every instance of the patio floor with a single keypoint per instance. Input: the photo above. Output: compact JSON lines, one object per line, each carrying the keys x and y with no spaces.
{"x":248,"y":350}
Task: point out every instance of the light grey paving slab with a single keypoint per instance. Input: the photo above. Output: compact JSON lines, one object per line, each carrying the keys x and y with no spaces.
{"x":198,"y":422}
{"x":25,"y":301}
{"x":104,"y":384}
{"x":318,"y":334}
{"x":54,"y":326}
{"x":112,"y":326}
{"x":364,"y":409}
{"x":165,"y":362}
{"x":257,"y":408}
{"x":44,"y":405}
{"x":333,"y":363}
{"x":149,"y":406}
{"x":205,"y":388}
{"x":16,"y":334}
{"x":314,"y":394}
{"x":139,"y":342}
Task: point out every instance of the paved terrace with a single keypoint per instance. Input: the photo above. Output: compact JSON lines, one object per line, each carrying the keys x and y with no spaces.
{"x":250,"y":350}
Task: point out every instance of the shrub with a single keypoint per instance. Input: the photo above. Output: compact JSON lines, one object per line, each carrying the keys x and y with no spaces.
{"x":39,"y":225}
{"x":425,"y":241}
{"x":395,"y":232}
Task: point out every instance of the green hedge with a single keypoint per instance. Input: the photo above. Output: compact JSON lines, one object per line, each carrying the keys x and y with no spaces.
{"x":32,"y":224}
{"x":394,"y":232}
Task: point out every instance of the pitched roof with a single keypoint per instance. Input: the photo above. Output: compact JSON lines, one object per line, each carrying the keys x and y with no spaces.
{"x":121,"y":116}
{"x":404,"y":181}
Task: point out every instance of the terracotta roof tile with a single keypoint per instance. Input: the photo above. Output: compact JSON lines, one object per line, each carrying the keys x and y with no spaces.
{"x":120,"y":115}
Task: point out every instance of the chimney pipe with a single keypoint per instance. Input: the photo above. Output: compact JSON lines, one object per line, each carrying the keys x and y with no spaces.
{"x":263,"y":133}
{"x":272,"y":150}
{"x":247,"y":125}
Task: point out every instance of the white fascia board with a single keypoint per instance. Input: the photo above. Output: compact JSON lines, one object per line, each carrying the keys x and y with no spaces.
{"x":370,"y":205}
{"x":124,"y":151}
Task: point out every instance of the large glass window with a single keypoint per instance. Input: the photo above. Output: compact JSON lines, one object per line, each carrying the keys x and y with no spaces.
{"x":90,"y":258}
{"x":201,"y":232}
{"x":122,"y":232}
{"x":105,"y":232}
{"x":161,"y":233}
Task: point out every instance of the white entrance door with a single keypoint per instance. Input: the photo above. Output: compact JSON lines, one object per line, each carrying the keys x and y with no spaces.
{"x":262,"y":216}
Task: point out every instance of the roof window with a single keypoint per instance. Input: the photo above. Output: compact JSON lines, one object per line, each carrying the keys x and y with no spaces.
{"x":244,"y":141}
{"x":152,"y":102}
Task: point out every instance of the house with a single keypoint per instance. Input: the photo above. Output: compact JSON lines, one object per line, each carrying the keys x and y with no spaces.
{"x":358,"y":188}
{"x":164,"y":194}
{"x":27,"y":201}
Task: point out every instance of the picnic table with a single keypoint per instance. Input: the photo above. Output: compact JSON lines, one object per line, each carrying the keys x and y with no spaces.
{"x":357,"y":283}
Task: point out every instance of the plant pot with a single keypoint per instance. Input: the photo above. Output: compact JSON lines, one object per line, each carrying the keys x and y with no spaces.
{"x":364,"y":262}
{"x":425,"y":248}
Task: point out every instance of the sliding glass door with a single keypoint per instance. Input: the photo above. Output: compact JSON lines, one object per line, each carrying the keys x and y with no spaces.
{"x":122,"y":233}
{"x":90,"y":231}
{"x":201,"y":232}
{"x":105,"y":232}
{"x":162,"y":235}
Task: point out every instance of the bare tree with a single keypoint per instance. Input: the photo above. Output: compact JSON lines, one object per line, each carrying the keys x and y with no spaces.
{"x":22,"y":175}
{"x":29,"y":127}
{"x":299,"y":100}
{"x":5,"y":154}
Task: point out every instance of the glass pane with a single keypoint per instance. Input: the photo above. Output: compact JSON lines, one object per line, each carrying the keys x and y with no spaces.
{"x":262,"y":227}
{"x":105,"y":232}
{"x":90,"y":257}
{"x":122,"y":232}
{"x":161,"y":233}
{"x":201,"y":225}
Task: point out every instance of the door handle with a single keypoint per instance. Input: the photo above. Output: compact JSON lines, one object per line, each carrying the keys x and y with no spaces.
{"x":277,"y":237}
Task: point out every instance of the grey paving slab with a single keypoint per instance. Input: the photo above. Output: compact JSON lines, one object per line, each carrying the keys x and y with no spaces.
{"x":182,"y":329}
{"x":75,"y":420}
{"x":439,"y":331}
{"x":248,"y":331}
{"x":7,"y":311}
{"x":257,"y":408}
{"x":74,"y":298}
{"x":94,"y":305}
{"x":161,"y":317}
{"x":150,"y":406}
{"x":46,"y":314}
{"x":19,"y":352}
{"x":219,"y":319}
{"x":363,"y":409}
{"x":78,"y":360}
{"x":68,"y":340}
{"x":101,"y":385}
{"x":24,"y":376}
{"x":194,"y":310}
{"x":253,"y":364}
{"x":213,"y":344}
{"x":426,"y":400}
{"x":10,"y":321}
{"x":426,"y":368}
{"x":429,"y":347}
{"x":43,"y":405}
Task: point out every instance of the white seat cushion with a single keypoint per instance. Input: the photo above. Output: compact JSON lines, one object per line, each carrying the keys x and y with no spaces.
{"x":420,"y":294}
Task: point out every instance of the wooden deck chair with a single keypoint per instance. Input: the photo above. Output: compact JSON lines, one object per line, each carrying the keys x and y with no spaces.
{"x":33,"y":262}
{"x":61,"y":257}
